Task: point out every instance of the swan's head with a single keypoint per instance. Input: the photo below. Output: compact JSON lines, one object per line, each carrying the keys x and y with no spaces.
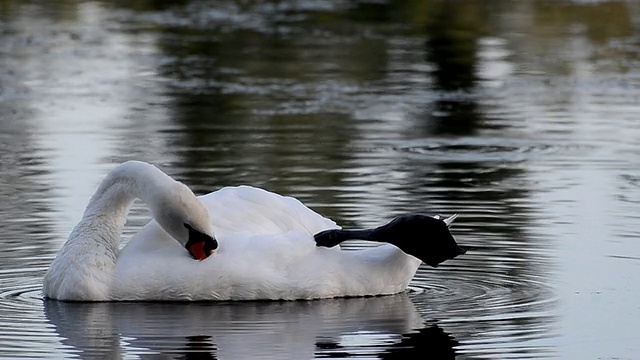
{"x":185,"y":218}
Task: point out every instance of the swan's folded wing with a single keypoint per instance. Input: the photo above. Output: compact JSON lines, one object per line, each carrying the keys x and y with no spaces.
{"x":257,"y":211}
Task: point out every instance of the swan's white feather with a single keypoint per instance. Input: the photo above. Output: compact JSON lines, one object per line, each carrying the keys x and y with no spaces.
{"x":266,"y":251}
{"x":257,"y":211}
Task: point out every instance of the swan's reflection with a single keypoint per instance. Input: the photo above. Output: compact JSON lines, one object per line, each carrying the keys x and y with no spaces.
{"x":384,"y":326}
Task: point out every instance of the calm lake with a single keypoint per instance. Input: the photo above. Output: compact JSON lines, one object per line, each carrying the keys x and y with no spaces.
{"x":522,"y":117}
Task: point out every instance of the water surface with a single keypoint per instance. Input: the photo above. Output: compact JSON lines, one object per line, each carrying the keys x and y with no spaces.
{"x":521,"y":117}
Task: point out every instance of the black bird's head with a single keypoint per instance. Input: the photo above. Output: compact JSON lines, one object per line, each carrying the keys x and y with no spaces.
{"x":425,"y":237}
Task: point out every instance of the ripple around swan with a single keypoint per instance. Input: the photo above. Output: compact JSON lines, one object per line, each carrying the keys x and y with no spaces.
{"x":497,"y":304}
{"x":498,"y":294}
{"x":20,"y":288}
{"x":23,"y":323}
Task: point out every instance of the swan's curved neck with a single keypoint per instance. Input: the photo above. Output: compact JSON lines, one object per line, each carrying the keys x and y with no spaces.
{"x":84,"y":267}
{"x":107,"y":210}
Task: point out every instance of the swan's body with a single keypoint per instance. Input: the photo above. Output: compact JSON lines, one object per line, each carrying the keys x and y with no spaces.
{"x":266,"y":248}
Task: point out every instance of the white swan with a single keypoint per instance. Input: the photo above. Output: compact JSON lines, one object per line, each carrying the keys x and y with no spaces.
{"x":266,"y":247}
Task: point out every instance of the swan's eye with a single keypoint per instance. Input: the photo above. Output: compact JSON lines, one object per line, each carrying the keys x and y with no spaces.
{"x":200,"y":245}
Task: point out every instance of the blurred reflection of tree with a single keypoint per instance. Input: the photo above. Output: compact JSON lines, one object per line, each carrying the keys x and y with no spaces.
{"x":239,"y":99}
{"x":600,"y":21}
{"x":451,"y":47}
{"x":453,"y":34}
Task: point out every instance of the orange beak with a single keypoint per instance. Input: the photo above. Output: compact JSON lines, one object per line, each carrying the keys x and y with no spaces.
{"x":200,"y":245}
{"x":197,"y":250}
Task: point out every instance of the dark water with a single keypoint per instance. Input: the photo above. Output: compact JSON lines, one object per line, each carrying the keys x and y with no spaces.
{"x":520,"y":116}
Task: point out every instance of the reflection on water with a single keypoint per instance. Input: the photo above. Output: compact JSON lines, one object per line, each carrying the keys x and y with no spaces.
{"x":520,"y":116}
{"x":386,"y":326}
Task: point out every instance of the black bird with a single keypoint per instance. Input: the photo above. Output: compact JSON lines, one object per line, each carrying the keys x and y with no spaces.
{"x":423,"y":236}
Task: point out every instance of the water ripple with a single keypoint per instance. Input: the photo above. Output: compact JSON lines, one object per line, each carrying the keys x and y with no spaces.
{"x":23,"y":323}
{"x":493,"y":149}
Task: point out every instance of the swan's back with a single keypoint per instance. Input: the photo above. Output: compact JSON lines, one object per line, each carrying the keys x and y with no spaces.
{"x":266,"y":251}
{"x":245,"y":209}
